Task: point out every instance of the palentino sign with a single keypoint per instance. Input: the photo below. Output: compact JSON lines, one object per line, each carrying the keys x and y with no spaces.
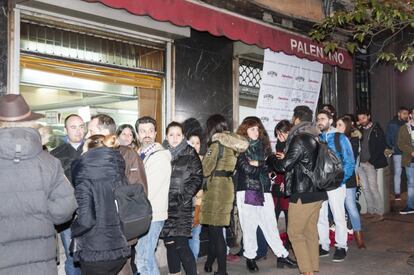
{"x":309,"y":49}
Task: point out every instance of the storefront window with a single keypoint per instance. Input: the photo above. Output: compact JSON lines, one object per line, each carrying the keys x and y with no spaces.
{"x":57,"y":79}
{"x":250,"y":75}
{"x":362,"y":89}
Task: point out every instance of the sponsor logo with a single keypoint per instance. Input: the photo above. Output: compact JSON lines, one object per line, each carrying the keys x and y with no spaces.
{"x":310,"y":102}
{"x":313,"y":81}
{"x":264,"y":119}
{"x":272,"y":73}
{"x":282,"y":98}
{"x":268,"y":96}
{"x":287,"y":76}
{"x":296,"y":100}
{"x":300,"y":78}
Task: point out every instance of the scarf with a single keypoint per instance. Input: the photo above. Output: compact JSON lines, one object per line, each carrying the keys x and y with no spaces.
{"x":175,"y":151}
{"x":256,"y":151}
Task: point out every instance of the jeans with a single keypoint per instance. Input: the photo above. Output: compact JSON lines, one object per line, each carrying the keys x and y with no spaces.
{"x":368,"y":176}
{"x":351,"y":207}
{"x":194,"y":241}
{"x":336,"y":199}
{"x":145,"y":250}
{"x":410,"y":185}
{"x":70,"y":269}
{"x":397,"y":173}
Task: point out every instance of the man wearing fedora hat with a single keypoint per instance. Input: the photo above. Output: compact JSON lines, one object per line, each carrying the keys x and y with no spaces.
{"x":35,"y":193}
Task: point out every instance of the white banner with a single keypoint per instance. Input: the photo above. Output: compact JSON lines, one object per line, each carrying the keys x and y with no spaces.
{"x":287,"y":81}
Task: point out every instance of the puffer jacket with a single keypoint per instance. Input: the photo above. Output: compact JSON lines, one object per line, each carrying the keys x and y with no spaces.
{"x":186,"y":180}
{"x":96,"y":228}
{"x":35,"y":195}
{"x":218,"y":196}
{"x":301,"y":151}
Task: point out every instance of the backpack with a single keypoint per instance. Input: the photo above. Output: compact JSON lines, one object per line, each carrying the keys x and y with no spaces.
{"x":134,"y":210}
{"x":328,"y":173}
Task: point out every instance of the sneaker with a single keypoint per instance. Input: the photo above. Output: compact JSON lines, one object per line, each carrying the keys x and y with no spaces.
{"x":339,"y":255}
{"x":323,"y":252}
{"x":397,"y":197}
{"x":407,"y":210}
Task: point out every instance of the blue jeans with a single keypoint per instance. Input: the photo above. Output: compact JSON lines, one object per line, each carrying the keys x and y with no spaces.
{"x":70,"y":269}
{"x":397,"y":173}
{"x":351,"y":207}
{"x":410,"y":185}
{"x":145,"y":250}
{"x":194,"y":241}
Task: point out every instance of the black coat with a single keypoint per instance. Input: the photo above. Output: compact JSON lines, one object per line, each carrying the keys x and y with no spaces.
{"x":377,"y":146}
{"x":186,"y":180}
{"x":248,"y":176}
{"x":96,"y":229}
{"x":302,"y":151}
{"x":67,"y":154}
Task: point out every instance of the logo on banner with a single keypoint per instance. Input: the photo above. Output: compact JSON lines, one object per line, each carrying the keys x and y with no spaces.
{"x":264,"y":119}
{"x":272,"y":73}
{"x":267,"y":99}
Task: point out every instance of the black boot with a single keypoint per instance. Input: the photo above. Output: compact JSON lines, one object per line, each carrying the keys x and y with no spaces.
{"x":288,"y":262}
{"x":251,"y":265}
{"x":208,"y":268}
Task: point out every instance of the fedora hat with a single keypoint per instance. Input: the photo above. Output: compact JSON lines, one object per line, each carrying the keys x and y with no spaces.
{"x":14,"y":108}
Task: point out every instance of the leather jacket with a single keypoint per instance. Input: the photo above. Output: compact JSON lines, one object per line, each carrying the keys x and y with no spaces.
{"x":301,"y":151}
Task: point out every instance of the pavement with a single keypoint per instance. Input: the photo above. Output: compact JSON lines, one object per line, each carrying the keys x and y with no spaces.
{"x":390,"y":251}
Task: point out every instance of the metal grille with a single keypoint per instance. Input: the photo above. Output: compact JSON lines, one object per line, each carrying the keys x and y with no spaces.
{"x":250,"y":73}
{"x":85,"y":47}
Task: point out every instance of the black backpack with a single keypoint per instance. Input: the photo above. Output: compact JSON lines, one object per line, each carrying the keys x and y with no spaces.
{"x":134,"y":209}
{"x":328,"y":173}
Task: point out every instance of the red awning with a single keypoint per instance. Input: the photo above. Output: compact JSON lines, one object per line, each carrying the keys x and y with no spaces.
{"x":220,"y":23}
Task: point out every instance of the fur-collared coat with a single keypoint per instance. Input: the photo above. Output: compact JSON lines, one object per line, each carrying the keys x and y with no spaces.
{"x":218,"y":196}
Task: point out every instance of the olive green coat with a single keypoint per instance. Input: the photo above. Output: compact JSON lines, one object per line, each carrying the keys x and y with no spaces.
{"x":218,"y":197}
{"x":405,"y":145}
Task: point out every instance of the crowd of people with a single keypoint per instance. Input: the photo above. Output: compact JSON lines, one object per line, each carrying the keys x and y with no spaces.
{"x":71,"y":189}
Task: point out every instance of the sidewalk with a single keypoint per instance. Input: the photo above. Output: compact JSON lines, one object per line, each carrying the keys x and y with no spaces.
{"x":390,"y":244}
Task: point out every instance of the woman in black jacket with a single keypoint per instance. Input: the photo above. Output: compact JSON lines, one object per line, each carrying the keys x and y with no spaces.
{"x":186,"y":180}
{"x":98,"y":241}
{"x":254,"y":198}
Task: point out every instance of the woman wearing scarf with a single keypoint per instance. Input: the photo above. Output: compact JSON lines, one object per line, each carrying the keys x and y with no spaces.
{"x":254,"y":198}
{"x":186,"y":180}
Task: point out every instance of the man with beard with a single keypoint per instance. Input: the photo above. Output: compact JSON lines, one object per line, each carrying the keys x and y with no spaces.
{"x":371,"y":158}
{"x":157,"y":163}
{"x":340,"y":144}
{"x":391,"y":138}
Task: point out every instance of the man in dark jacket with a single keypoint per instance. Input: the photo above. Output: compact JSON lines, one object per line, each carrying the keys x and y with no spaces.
{"x":391,"y":138}
{"x":67,"y":153}
{"x":305,"y":200}
{"x":35,"y":194}
{"x":371,"y":158}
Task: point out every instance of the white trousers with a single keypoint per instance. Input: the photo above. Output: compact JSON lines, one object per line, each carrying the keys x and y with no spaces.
{"x":251,"y":217}
{"x":336,"y":199}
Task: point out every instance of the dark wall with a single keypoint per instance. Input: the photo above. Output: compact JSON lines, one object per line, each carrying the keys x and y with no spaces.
{"x":383,"y":97}
{"x":203,"y":77}
{"x":346,"y":92}
{"x":3,"y":46}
